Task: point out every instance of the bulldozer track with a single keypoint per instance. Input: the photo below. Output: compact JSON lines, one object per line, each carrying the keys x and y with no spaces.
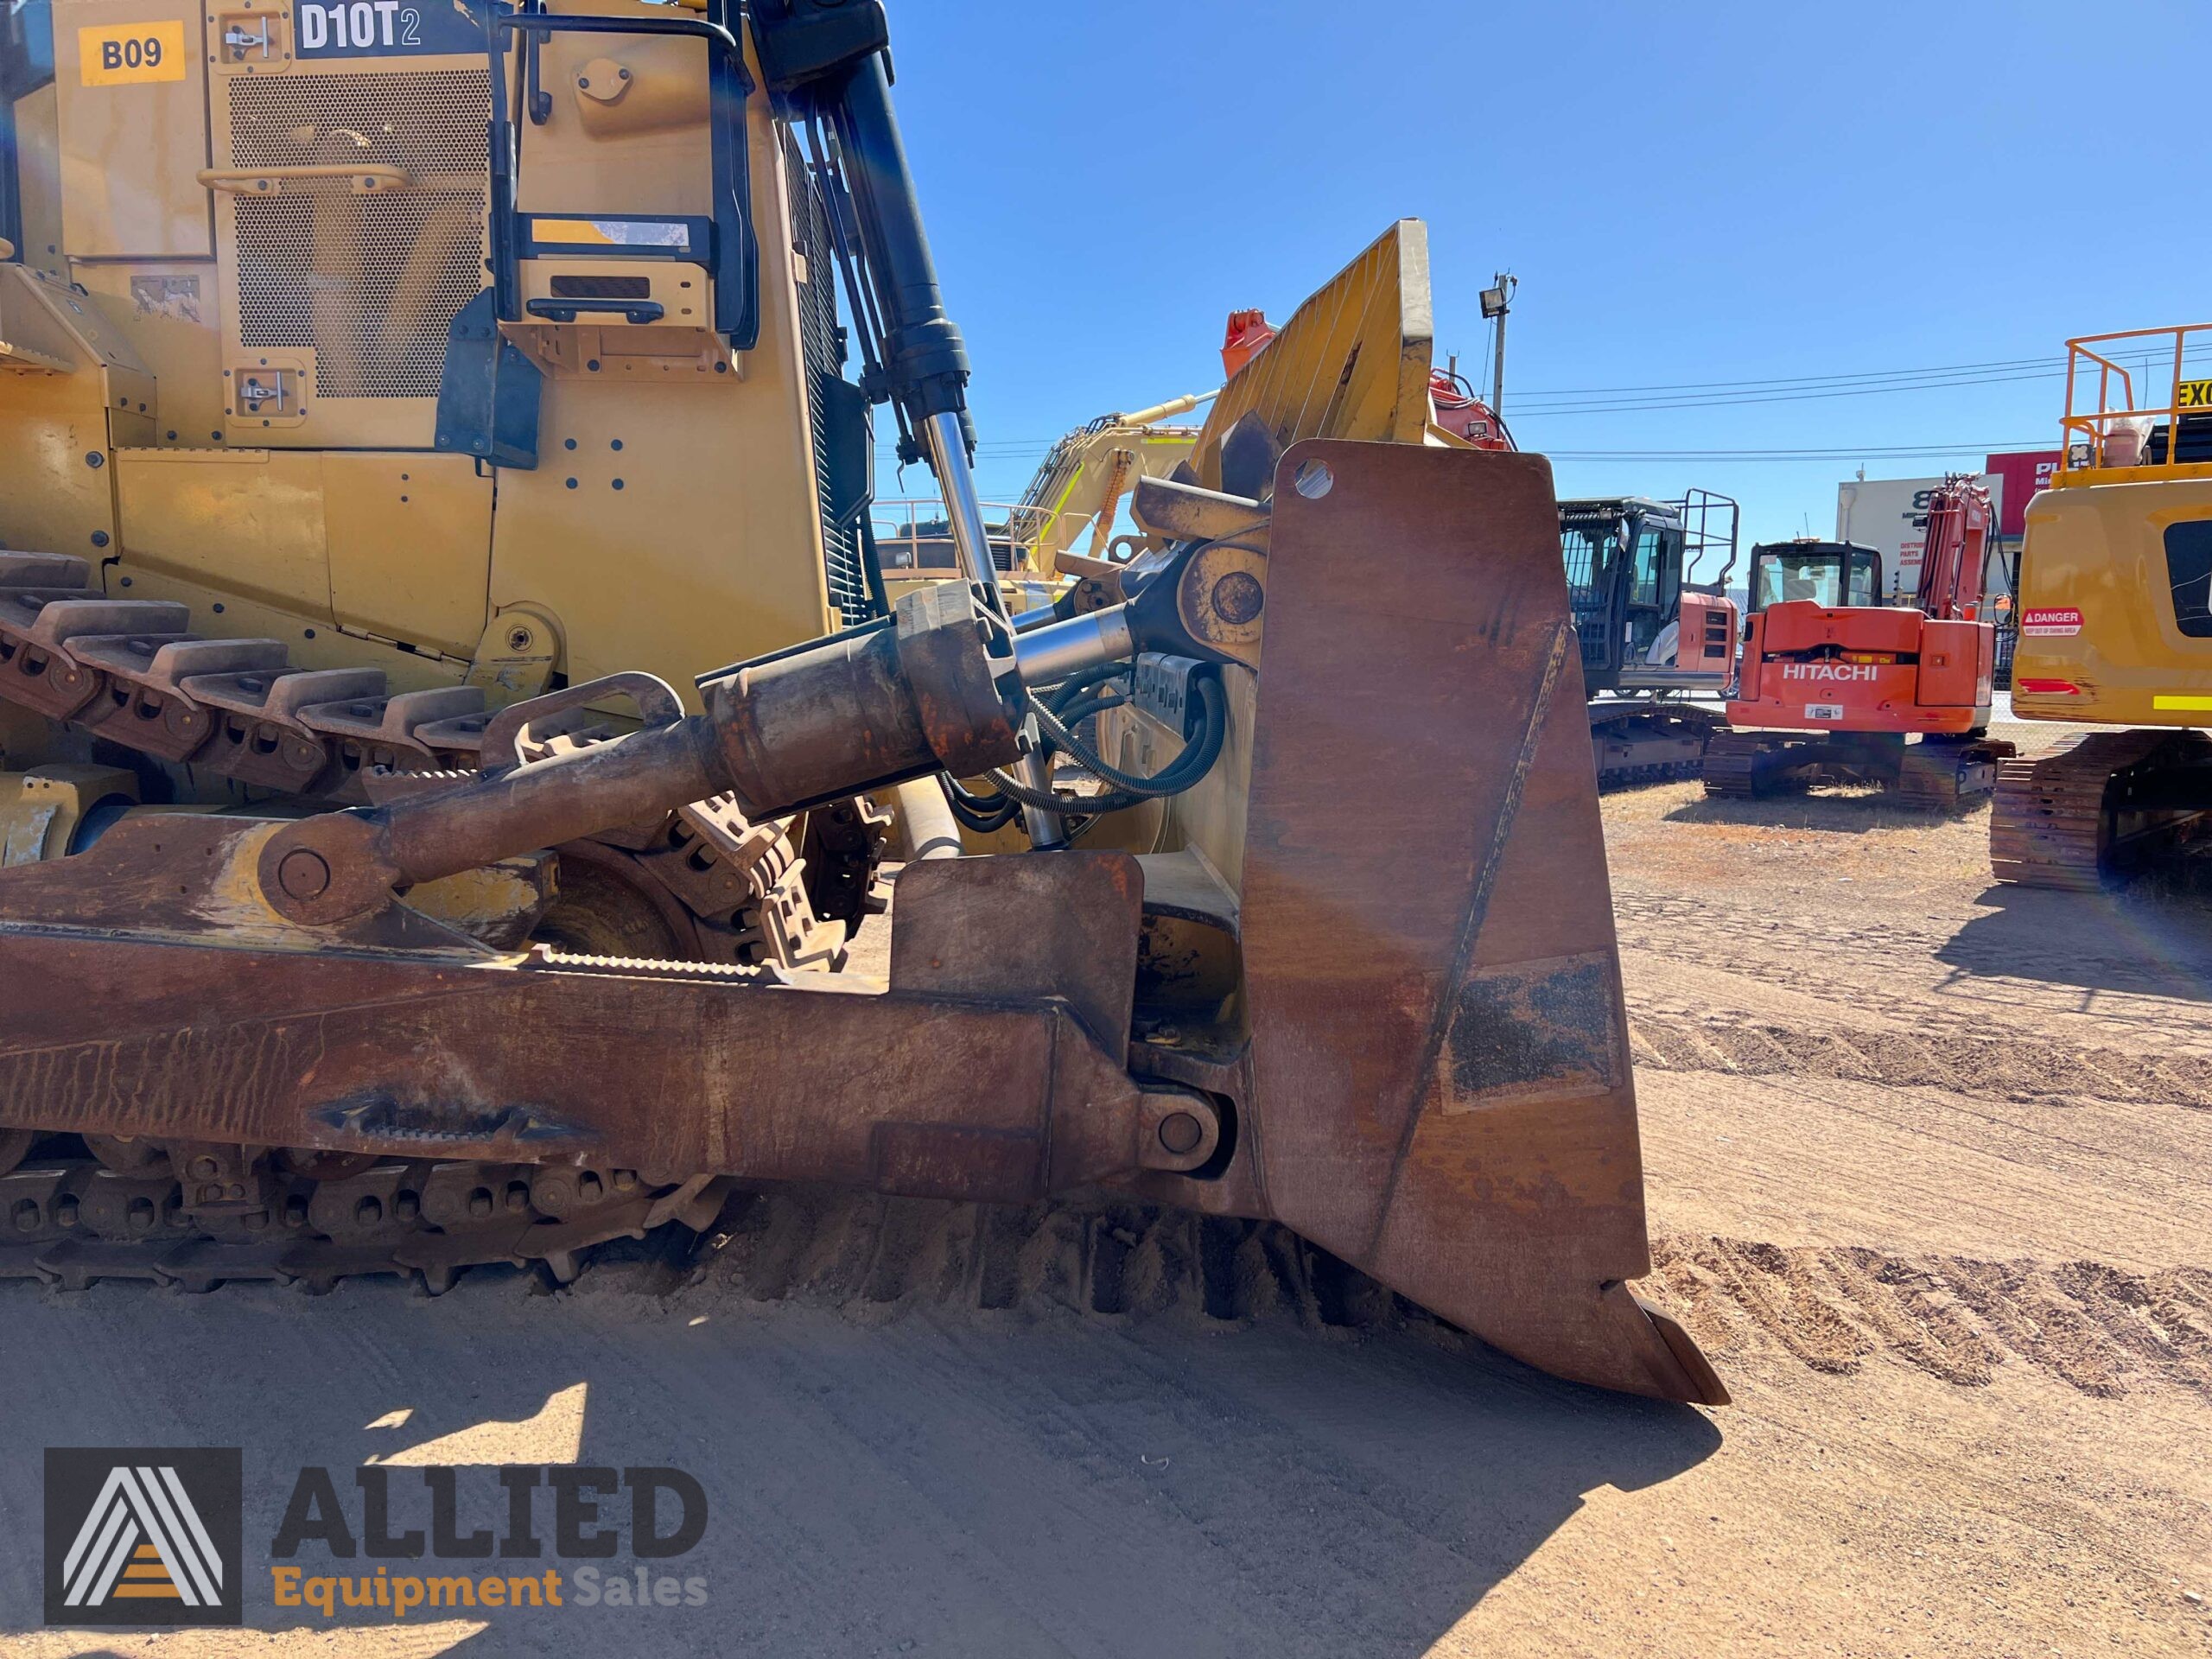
{"x":2053,"y":825}
{"x":857,"y":1249}
{"x":131,"y":672}
{"x":715,"y":888}
{"x":71,"y":1221}
{"x":2098,"y":1328}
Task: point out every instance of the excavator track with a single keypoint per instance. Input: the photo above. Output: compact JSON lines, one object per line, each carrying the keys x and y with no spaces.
{"x":2057,"y":821}
{"x":1943,"y":777}
{"x":1732,"y":766}
{"x":702,"y":884}
{"x":1648,"y":742}
{"x":1940,"y":776}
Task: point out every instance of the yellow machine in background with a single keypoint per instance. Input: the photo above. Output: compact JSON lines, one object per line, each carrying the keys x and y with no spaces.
{"x":2115,"y":623}
{"x":1083,"y":480}
{"x":1079,"y":487}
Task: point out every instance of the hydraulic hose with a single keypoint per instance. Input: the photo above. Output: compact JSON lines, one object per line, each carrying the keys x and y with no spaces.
{"x":1126,"y":789}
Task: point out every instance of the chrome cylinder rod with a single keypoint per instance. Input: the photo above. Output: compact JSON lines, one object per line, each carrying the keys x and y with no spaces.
{"x":971,"y":550}
{"x":1052,"y":652}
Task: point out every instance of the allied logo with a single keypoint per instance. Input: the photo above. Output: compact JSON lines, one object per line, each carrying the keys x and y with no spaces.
{"x":143,"y":1535}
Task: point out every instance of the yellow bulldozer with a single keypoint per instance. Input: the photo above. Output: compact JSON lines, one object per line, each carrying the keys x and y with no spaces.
{"x":447,"y":671}
{"x":2115,"y":617}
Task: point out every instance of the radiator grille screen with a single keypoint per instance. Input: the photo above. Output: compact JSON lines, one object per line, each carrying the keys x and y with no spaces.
{"x":824,"y":357}
{"x":371,"y":283}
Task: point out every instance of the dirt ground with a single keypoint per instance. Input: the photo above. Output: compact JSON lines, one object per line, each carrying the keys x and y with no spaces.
{"x":1928,"y":1176}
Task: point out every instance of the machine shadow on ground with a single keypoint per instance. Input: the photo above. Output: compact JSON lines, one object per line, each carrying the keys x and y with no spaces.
{"x":2142,"y":940}
{"x":929,"y":1479}
{"x":1837,"y":810}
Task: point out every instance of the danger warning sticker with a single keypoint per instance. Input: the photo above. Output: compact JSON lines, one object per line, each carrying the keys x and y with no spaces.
{"x":2048,"y":624}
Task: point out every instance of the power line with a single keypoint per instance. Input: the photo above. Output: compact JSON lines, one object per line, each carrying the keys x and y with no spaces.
{"x":1722,"y":401}
{"x":1800,"y":380}
{"x":1892,"y":452}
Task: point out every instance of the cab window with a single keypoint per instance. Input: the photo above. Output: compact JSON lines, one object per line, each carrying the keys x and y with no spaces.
{"x":1782,"y":576}
{"x":1866,"y":584}
{"x":2189,"y":570}
{"x":1644,"y":586}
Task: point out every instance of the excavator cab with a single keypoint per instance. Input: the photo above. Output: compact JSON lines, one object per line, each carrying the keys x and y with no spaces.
{"x":1625,"y":571}
{"x":1648,"y":631}
{"x":1829,"y":574}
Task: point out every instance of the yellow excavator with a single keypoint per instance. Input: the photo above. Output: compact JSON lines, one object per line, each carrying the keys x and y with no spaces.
{"x":1086,"y":476}
{"x":1080,"y":485}
{"x":2115,"y":622}
{"x":446,"y":670}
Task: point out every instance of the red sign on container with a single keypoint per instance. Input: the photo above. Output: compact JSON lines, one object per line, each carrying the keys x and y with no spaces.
{"x":2024,"y":472}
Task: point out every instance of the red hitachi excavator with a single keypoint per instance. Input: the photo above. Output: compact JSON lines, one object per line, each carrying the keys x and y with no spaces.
{"x":1833,"y":684}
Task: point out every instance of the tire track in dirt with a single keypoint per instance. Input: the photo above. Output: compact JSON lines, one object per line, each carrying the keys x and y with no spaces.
{"x":2102,"y":1330}
{"x":2013,"y":1068}
{"x":1839,"y":958}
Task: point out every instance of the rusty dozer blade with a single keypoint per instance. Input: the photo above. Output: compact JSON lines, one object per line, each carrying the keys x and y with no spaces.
{"x":1411,"y":1051}
{"x":1440,"y":1046}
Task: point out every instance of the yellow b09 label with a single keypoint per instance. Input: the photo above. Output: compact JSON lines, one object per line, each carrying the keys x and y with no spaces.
{"x":121,"y":54}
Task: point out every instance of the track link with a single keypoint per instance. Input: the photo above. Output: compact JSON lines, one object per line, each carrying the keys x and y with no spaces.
{"x":701,"y":884}
{"x":1648,"y":742}
{"x":69,"y":1221}
{"x":2057,"y":822}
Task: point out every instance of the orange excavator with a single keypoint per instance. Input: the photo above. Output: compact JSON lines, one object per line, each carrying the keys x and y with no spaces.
{"x":1835,"y":685}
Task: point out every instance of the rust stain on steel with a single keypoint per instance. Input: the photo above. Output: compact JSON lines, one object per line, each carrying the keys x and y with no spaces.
{"x":1534,"y":1029}
{"x":945,"y":940}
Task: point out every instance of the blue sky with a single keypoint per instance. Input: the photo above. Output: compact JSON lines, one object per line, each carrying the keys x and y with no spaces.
{"x":1690,"y":193}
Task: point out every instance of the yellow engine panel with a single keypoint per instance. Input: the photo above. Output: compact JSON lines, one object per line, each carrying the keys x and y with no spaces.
{"x":230,"y":396}
{"x":2112,"y":606}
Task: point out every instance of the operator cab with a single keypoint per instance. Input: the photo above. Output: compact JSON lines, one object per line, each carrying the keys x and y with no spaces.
{"x":1624,"y":576}
{"x":1832,"y":574}
{"x":1630,"y":562}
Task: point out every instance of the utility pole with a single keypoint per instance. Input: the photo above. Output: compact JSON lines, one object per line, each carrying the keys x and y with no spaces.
{"x":1498,"y":300}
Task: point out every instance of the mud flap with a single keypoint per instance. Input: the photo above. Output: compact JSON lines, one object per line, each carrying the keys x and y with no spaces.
{"x":1441,"y":1080}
